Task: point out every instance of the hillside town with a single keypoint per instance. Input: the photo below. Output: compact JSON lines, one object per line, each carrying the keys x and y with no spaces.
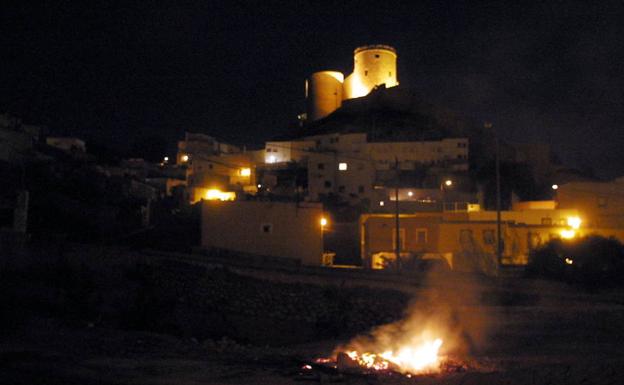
{"x":370,"y":177}
{"x":311,"y":192}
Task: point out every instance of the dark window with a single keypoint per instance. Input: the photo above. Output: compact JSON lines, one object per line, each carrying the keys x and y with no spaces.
{"x":210,"y":166}
{"x":376,"y":56}
{"x":465,"y":236}
{"x":488,"y":237}
{"x":360,"y":189}
{"x":602,"y":202}
{"x":366,"y":73}
{"x":341,"y":189}
{"x":266,"y":228}
{"x":421,"y":236}
{"x":327,"y":184}
{"x":321,"y":166}
{"x":390,"y":74}
{"x":546,"y":221}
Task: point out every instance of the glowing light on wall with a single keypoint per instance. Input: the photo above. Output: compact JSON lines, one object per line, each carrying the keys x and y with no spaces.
{"x":574,"y":222}
{"x":245,"y":171}
{"x":342,"y":166}
{"x":555,"y":186}
{"x":218,"y":195}
{"x":323,"y":222}
{"x":567,"y":234}
{"x":569,"y":261}
{"x":184,"y":158}
{"x":358,"y":89}
{"x":271,"y":159}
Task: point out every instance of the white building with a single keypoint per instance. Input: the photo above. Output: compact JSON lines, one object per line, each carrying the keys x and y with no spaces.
{"x":350,"y":166}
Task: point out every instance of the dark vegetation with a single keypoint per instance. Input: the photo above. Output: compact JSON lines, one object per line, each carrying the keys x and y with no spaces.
{"x":123,"y":290}
{"x":593,"y":262}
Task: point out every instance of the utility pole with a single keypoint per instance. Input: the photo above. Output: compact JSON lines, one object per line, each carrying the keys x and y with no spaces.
{"x":499,"y":240}
{"x":396,"y":216}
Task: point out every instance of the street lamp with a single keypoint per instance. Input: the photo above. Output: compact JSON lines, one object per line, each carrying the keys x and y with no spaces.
{"x":443,"y":186}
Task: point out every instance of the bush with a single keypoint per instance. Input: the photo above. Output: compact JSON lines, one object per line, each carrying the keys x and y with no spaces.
{"x":594,"y":261}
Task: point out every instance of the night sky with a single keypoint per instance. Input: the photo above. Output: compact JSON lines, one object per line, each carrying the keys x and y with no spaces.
{"x":114,"y":73}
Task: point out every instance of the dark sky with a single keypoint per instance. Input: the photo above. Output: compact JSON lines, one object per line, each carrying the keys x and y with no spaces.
{"x":113,"y":72}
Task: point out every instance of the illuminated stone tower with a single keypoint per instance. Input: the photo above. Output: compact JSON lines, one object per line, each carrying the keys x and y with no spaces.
{"x":323,"y":93}
{"x":373,"y":65}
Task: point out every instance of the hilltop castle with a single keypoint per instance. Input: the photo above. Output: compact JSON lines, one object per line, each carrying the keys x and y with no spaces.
{"x":373,"y":65}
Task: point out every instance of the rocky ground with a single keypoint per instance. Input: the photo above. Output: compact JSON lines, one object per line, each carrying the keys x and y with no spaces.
{"x":111,"y":317}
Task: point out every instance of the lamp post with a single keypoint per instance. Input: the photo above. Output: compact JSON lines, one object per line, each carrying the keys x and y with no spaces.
{"x":323,"y":223}
{"x":499,"y":243}
{"x":396,"y":217}
{"x":443,"y":186}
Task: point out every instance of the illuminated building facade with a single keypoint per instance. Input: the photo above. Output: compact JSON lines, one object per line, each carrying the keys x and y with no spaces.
{"x":373,"y":66}
{"x":350,"y":166}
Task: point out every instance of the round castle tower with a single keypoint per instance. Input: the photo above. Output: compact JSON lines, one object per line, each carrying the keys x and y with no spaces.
{"x":373,"y":65}
{"x":323,"y":93}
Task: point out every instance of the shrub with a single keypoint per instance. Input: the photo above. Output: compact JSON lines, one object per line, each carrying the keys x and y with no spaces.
{"x":594,"y":261}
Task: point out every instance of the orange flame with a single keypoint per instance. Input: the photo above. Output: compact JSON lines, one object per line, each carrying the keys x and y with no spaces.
{"x":412,"y":359}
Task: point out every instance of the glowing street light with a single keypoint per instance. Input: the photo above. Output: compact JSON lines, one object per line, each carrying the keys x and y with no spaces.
{"x":574,"y":222}
{"x":443,"y":187}
{"x":567,"y":234}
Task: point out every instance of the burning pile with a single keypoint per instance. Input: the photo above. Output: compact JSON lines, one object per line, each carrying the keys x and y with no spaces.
{"x":413,"y":359}
{"x":416,"y":345}
{"x":415,"y":356}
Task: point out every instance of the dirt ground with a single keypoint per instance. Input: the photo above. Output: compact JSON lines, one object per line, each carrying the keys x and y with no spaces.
{"x":530,"y":332}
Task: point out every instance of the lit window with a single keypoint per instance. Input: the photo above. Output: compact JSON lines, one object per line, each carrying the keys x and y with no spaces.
{"x":215,"y":194}
{"x":342,"y":166}
{"x":245,"y":171}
